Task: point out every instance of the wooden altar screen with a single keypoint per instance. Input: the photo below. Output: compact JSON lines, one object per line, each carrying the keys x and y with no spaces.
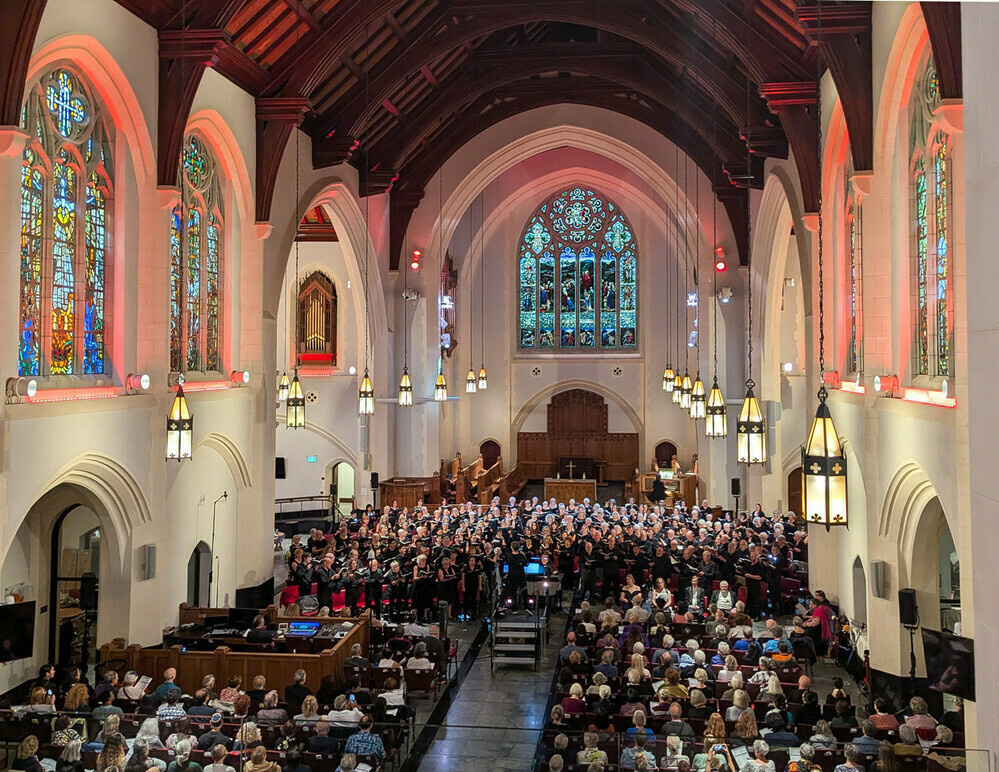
{"x":577,"y":428}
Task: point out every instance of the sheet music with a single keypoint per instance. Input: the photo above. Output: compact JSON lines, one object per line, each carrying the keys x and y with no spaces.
{"x":740,"y":756}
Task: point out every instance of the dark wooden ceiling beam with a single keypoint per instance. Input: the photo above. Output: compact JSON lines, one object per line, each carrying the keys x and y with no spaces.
{"x":277,"y":117}
{"x":795,"y":103}
{"x":943,"y":22}
{"x":19,"y":20}
{"x":470,"y":20}
{"x":843,"y":33}
{"x":736,"y":200}
{"x":626,"y":65}
{"x":310,"y":61}
{"x":303,"y":13}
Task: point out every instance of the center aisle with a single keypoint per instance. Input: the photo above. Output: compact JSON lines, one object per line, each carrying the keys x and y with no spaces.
{"x":495,"y":719}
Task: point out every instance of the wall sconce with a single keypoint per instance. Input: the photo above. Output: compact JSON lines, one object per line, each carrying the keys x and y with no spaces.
{"x":240,"y":377}
{"x":831,"y":379}
{"x":886,"y":385}
{"x":17,"y":388}
{"x":725,"y":294}
{"x":136,"y":383}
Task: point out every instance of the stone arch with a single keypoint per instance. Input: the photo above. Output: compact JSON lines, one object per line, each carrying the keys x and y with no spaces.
{"x":232,"y":456}
{"x":216,"y":131}
{"x":780,"y":210}
{"x":578,"y":383}
{"x":911,"y":41}
{"x":566,"y":135}
{"x":97,"y":64}
{"x":336,"y":197}
{"x":349,"y":456}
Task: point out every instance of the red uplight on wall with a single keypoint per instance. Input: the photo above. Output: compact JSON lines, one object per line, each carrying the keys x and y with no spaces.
{"x":415,"y":262}
{"x":720,"y":264}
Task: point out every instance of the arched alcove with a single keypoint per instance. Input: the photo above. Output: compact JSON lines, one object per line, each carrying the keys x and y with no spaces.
{"x":199,"y":567}
{"x":859,"y":591}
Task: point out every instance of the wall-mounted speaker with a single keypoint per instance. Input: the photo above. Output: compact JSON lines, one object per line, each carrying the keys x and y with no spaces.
{"x":908,"y":612}
{"x":147,"y":561}
{"x":374,"y":481}
{"x":736,"y":486}
{"x":879,"y":579}
{"x":279,"y":470}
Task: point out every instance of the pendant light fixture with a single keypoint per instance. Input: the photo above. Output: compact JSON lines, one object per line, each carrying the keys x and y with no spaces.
{"x":751,"y":435}
{"x":686,"y":385}
{"x":405,"y":384}
{"x":440,"y":387}
{"x":366,"y":392}
{"x":669,"y":375}
{"x":180,"y":423}
{"x":483,"y":381}
{"x":180,"y":426}
{"x":470,"y":380}
{"x":716,"y":424}
{"x":284,"y":385}
{"x":294,"y":417}
{"x":823,"y":461}
{"x":697,"y":397}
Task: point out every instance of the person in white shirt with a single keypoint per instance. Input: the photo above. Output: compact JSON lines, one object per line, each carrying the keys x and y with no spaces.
{"x":723,"y":598}
{"x":344,"y":713}
{"x":393,"y":694}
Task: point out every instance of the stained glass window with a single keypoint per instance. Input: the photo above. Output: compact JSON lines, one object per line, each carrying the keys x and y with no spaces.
{"x":942,"y":204}
{"x":931,"y":232}
{"x":196,"y":244}
{"x":578,"y":275}
{"x":66,"y":195}
{"x":855,"y":363}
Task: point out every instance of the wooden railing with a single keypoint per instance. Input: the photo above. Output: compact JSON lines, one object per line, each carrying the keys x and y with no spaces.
{"x":512,"y":483}
{"x":451,"y":467}
{"x":224,"y":662}
{"x":488,"y":482}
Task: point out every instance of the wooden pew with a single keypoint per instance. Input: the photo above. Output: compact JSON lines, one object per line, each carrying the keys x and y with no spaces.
{"x":488,"y":482}
{"x":512,"y":483}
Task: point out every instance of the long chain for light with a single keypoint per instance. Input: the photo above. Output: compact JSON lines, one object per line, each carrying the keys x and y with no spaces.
{"x":818,"y":122}
{"x":714,"y":244}
{"x":483,"y":382}
{"x":366,"y":392}
{"x":749,"y":234}
{"x":470,"y":386}
{"x":677,"y":301}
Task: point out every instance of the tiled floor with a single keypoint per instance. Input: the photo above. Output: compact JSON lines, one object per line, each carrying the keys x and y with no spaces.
{"x":496,"y":717}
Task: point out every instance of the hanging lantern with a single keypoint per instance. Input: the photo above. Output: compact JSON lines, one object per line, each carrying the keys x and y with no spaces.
{"x":295,"y":412}
{"x":668,"y":378}
{"x":824,"y":468}
{"x":677,"y":387}
{"x":470,"y":381}
{"x":440,"y":388}
{"x":716,"y":414}
{"x":180,"y":426}
{"x":284,"y":385}
{"x":697,"y":399}
{"x":366,"y":395}
{"x":483,"y":383}
{"x":751,"y":433}
{"x":686,"y":387}
{"x":405,"y":389}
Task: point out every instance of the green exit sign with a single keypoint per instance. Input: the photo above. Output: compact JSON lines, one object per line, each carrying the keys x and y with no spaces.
{"x":311,"y":459}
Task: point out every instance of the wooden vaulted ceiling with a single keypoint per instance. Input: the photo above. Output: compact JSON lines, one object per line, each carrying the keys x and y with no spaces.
{"x":396,"y":86}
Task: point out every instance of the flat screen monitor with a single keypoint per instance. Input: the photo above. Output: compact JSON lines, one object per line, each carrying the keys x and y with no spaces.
{"x":534,"y":568}
{"x":17,"y":631}
{"x":242,"y":618}
{"x":303,"y":629}
{"x":950,"y":663}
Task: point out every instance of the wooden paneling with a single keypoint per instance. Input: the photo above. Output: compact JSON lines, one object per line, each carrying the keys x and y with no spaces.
{"x":577,"y":427}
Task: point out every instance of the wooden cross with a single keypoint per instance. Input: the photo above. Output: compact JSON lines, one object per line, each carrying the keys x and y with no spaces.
{"x":570,"y":466}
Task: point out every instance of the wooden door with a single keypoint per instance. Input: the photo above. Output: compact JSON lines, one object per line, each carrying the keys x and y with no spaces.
{"x":795,"y":499}
{"x":490,"y":452}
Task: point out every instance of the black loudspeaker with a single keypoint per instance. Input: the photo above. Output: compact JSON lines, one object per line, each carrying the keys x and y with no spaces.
{"x":736,"y":486}
{"x":279,"y":472}
{"x":88,"y":592}
{"x":333,"y":490}
{"x":374,"y":480}
{"x":908,"y":614}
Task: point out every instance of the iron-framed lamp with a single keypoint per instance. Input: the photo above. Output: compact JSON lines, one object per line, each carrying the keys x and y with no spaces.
{"x":284,"y":386}
{"x":751,"y":435}
{"x":295,"y":404}
{"x":686,"y":389}
{"x":180,"y":426}
{"x":405,"y":389}
{"x":366,"y":396}
{"x":698,"y":400}
{"x":440,"y":388}
{"x":716,"y":413}
{"x":470,"y":381}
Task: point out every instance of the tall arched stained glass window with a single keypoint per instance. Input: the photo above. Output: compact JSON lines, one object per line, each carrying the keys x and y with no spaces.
{"x":931,"y":232}
{"x":67,"y":185}
{"x":578,"y":271}
{"x":196,"y":239}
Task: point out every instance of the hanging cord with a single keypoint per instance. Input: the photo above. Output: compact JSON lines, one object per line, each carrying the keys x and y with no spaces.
{"x":185,"y":250}
{"x":405,"y":312}
{"x":440,"y":247}
{"x":818,"y":122}
{"x":686,"y":264}
{"x":714,"y":244}
{"x":695,"y":266}
{"x":298,"y":220}
{"x":676,"y":254}
{"x":482,"y":277}
{"x":749,"y":234}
